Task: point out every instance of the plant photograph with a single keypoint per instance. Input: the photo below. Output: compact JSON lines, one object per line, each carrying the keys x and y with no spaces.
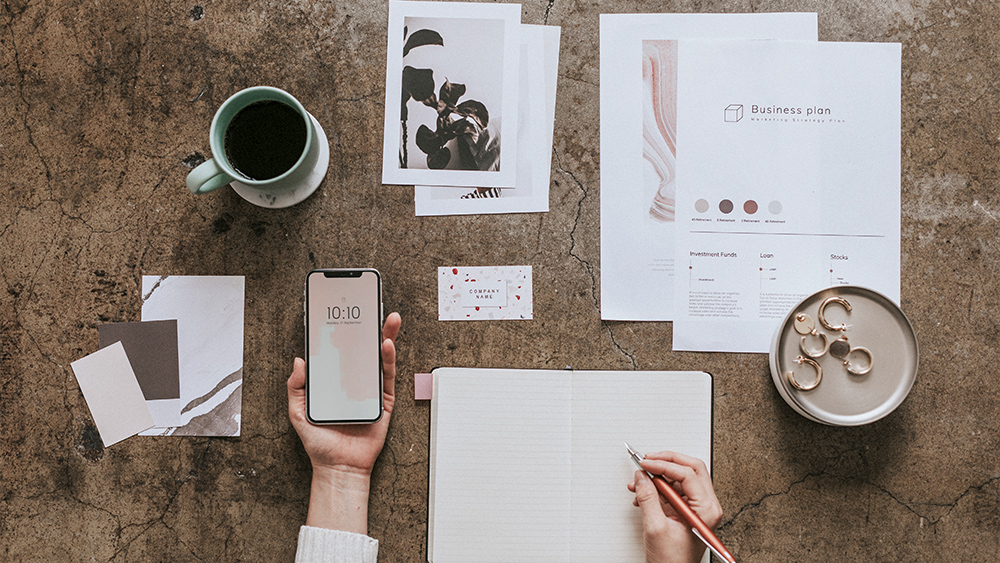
{"x":451,"y":94}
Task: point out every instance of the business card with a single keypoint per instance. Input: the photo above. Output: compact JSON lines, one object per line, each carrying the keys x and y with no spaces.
{"x":484,"y":293}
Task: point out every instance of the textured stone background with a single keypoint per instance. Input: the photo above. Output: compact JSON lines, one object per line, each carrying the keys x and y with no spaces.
{"x":105,"y":107}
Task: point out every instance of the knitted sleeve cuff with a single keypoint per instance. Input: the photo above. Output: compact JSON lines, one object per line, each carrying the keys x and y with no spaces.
{"x":319,"y":545}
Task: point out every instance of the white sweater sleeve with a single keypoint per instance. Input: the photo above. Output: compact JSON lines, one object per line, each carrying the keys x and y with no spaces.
{"x":319,"y":545}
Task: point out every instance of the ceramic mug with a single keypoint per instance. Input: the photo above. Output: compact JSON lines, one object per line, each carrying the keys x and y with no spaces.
{"x":255,"y":137}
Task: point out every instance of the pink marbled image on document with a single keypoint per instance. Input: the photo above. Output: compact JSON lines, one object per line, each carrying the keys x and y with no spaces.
{"x":659,"y":125}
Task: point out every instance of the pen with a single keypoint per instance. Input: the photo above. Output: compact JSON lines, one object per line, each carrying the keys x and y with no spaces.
{"x":698,"y":527}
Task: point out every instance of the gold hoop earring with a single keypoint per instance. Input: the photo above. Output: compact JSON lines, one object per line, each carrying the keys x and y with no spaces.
{"x":822,"y":313}
{"x":790,"y":375}
{"x":841,"y":349}
{"x":805,"y":326}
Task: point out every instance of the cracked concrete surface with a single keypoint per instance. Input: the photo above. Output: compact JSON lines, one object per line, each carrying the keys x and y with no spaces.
{"x":105,"y":107}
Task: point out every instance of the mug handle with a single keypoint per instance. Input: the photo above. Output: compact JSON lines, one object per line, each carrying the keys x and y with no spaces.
{"x":206,"y":177}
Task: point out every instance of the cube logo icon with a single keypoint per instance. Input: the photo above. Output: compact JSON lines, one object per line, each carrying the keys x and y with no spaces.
{"x":734,"y":113}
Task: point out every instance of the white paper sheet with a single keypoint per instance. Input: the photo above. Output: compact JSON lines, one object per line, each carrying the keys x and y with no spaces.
{"x":537,"y":106}
{"x":476,"y":46}
{"x":810,"y":170}
{"x":209,"y":313}
{"x":637,"y":251}
{"x":113,"y":395}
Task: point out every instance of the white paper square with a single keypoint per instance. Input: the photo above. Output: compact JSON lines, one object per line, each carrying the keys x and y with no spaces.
{"x":483,"y":294}
{"x":113,"y":395}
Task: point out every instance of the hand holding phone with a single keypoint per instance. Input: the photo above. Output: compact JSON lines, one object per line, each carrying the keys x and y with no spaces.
{"x":343,"y":456}
{"x":343,"y":346}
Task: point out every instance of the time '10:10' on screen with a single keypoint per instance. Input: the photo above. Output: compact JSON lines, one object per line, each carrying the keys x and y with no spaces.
{"x":349,"y":313}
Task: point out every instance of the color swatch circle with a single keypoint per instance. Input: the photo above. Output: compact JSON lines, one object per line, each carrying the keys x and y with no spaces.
{"x":726,"y":206}
{"x":701,"y":205}
{"x":750,"y":207}
{"x":774,"y":207}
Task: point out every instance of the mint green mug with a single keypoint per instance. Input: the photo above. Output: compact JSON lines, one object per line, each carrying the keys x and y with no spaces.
{"x":263,"y":141}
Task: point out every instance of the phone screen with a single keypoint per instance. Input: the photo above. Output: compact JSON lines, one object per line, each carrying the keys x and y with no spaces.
{"x":343,"y":341}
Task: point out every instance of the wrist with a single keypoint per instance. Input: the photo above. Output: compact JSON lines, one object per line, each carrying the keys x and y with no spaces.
{"x":338,"y":499}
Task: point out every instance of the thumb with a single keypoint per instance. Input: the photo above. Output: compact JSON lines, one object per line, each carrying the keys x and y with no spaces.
{"x":297,"y":390}
{"x":649,"y":501}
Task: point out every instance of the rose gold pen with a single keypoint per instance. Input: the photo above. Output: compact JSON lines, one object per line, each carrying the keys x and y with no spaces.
{"x":698,"y":527}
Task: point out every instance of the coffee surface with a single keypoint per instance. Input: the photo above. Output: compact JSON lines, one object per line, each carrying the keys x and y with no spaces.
{"x":265,"y":139}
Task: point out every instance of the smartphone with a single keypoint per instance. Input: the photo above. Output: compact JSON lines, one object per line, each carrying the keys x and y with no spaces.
{"x":343,"y":346}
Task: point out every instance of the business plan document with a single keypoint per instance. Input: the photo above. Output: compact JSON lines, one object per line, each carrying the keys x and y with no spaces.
{"x":530,"y":465}
{"x":787,"y":182}
{"x":639,"y":142}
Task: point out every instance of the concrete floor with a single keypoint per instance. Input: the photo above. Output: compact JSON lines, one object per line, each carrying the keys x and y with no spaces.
{"x":104,"y":108}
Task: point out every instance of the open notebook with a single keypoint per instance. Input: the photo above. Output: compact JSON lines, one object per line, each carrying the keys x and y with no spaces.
{"x":530,"y":465}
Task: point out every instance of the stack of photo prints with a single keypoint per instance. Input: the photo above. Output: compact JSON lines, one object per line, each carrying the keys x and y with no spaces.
{"x":473,"y":131}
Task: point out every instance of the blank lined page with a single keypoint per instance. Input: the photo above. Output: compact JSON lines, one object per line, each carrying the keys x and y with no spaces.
{"x":652,"y":411}
{"x":499,"y":460}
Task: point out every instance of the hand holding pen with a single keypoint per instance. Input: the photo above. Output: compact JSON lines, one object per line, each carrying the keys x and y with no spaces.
{"x":666,"y":534}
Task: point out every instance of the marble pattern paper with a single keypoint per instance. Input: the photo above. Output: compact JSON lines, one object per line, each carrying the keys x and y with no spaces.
{"x":484,"y":293}
{"x":209,"y":314}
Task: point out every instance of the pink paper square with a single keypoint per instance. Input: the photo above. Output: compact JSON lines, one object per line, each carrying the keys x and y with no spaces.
{"x":423,"y":386}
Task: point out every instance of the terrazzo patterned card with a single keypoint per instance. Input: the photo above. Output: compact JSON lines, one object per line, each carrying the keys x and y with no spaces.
{"x":489,"y":293}
{"x":209,"y":313}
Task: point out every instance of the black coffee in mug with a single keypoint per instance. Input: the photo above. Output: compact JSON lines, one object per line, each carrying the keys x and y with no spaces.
{"x":265,"y":139}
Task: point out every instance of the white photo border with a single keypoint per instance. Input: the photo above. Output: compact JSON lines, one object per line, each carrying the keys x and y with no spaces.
{"x":510,"y":15}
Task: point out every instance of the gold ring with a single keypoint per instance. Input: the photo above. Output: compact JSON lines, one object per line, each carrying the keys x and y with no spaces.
{"x":841,"y":349}
{"x":866,"y":369}
{"x":805,"y":326}
{"x":814,"y":353}
{"x":790,"y":375}
{"x":822,"y":312}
